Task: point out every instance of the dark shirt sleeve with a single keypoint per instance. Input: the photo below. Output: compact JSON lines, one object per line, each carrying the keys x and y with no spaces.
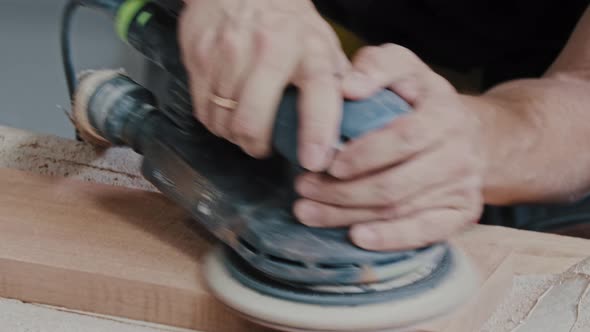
{"x":506,"y":38}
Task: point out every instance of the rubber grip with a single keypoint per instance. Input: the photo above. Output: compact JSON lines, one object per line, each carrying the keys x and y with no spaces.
{"x":358,"y":118}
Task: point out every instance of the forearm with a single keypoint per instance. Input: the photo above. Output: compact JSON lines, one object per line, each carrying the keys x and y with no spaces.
{"x":536,"y":136}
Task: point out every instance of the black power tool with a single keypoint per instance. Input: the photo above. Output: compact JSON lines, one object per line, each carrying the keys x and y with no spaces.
{"x":269,"y":267}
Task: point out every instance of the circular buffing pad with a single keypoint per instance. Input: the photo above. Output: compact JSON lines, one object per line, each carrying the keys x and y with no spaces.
{"x":430,"y":302}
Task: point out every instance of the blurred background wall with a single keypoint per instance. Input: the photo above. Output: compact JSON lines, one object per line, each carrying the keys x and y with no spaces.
{"x":32,"y":87}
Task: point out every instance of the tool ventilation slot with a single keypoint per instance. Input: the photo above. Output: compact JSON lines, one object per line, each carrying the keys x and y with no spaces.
{"x":336,"y":266}
{"x":280,"y":260}
{"x":389,"y":261}
{"x":248,"y":246}
{"x":285,"y":261}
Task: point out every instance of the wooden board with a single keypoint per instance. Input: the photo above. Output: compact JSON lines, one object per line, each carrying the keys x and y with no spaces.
{"x":132,"y":253}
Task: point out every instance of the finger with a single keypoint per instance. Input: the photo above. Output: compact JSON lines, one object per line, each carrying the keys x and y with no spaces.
{"x":234,"y":50}
{"x":253,"y":120}
{"x":315,"y":214}
{"x":200,"y":71}
{"x":193,"y":22}
{"x":342,"y":62}
{"x":466,"y":192}
{"x":389,"y":65}
{"x":404,"y":138}
{"x":197,"y":34}
{"x":344,"y":65}
{"x":412,"y":232}
{"x":320,"y":108}
{"x":390,"y":186}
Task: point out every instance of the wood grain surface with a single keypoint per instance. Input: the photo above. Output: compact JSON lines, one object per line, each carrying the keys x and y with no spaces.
{"x":132,"y":253}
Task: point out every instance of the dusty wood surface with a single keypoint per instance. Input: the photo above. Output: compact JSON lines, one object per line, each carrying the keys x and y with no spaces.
{"x":501,"y":254}
{"x":16,"y":316}
{"x":131,"y":253}
{"x":103,"y":249}
{"x":51,"y":155}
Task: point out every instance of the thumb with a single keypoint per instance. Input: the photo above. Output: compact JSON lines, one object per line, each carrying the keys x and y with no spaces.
{"x":366,"y":76}
{"x":387,"y":66}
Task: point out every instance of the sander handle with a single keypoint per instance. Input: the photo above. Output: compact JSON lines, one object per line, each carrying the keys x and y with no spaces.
{"x":357,"y":119}
{"x":152,"y":30}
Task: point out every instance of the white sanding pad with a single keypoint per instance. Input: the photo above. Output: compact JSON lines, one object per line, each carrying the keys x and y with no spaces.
{"x":399,"y":315}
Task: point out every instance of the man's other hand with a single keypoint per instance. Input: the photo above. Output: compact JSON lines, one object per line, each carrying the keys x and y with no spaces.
{"x":413,"y":183}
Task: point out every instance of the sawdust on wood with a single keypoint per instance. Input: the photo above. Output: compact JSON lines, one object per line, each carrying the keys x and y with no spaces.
{"x":55,"y":156}
{"x":546,"y":303}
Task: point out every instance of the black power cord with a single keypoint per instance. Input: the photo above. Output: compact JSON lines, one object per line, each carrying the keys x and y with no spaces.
{"x":66,"y":52}
{"x":108,"y":6}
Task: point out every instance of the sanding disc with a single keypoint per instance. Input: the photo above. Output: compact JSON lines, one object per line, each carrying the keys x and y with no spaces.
{"x":397,"y":315}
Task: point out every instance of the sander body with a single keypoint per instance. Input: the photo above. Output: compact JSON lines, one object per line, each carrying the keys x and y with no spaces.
{"x":268,"y":267}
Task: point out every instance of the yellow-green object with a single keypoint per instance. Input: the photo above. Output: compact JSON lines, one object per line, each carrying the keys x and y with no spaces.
{"x":143,"y":18}
{"x":125,"y":15}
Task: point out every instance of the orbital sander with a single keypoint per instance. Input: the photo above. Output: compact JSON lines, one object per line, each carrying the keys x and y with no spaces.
{"x":268,"y":267}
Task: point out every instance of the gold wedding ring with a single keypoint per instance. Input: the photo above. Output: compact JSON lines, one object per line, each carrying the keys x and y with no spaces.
{"x":223,"y":102}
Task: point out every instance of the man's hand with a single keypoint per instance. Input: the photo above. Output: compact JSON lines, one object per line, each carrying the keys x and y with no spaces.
{"x":246,"y":52}
{"x":413,"y":183}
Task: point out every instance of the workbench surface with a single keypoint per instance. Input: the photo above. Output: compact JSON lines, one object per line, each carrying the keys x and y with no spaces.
{"x":101,"y":240}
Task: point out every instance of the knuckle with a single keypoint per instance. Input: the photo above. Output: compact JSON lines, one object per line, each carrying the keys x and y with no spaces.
{"x":388,"y":213}
{"x":405,"y":132}
{"x":370,"y":58}
{"x":342,"y":195}
{"x":384,"y":193}
{"x":201,"y":54}
{"x":316,"y":66}
{"x":185,"y":18}
{"x":400,"y":52}
{"x":229,"y":43}
{"x":316,"y":72}
{"x":319,"y":131}
{"x":370,"y":53}
{"x":441,"y":84}
{"x":317,"y":46}
{"x":409,"y":59}
{"x":264,"y":41}
{"x":270,"y":54}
